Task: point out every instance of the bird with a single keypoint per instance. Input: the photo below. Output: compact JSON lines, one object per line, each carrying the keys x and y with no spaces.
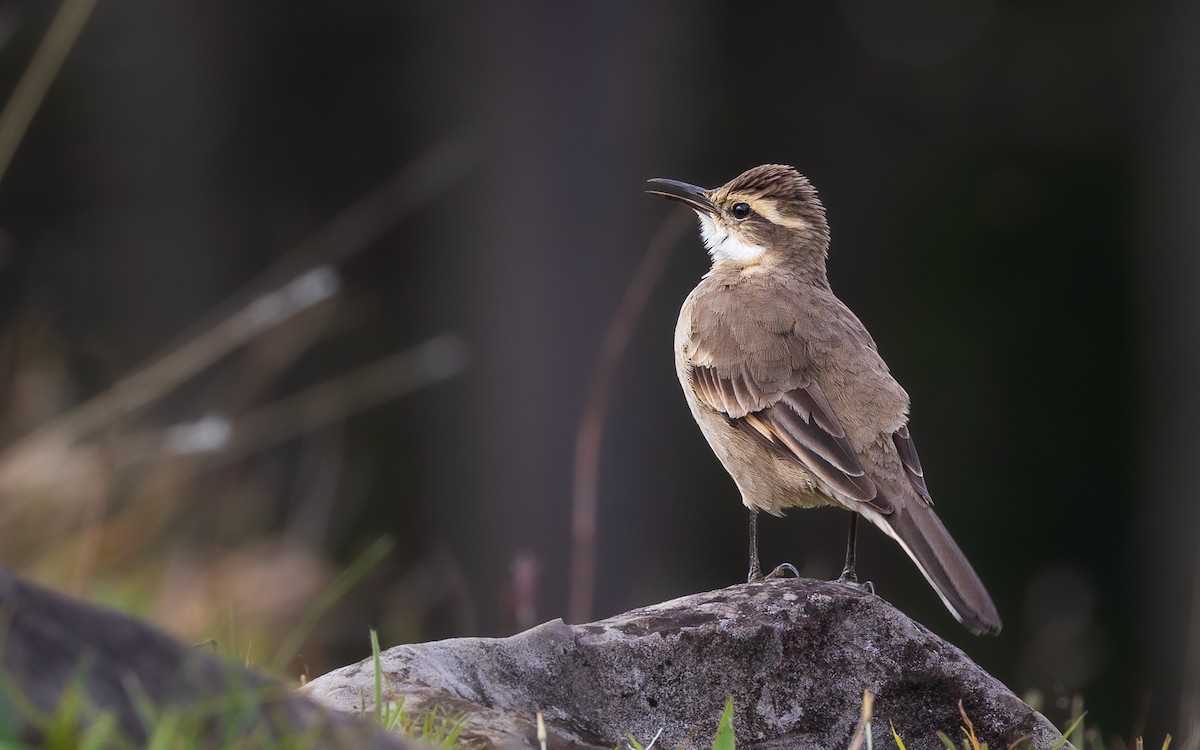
{"x":789,"y":388}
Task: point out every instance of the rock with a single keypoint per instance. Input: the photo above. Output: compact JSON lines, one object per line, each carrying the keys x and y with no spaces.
{"x":49,"y":641}
{"x":796,"y":655}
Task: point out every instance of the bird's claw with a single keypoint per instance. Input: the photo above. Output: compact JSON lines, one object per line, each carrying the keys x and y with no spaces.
{"x":783,"y":570}
{"x":850,"y":578}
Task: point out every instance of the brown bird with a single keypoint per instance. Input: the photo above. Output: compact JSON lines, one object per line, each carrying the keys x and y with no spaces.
{"x":789,"y":389}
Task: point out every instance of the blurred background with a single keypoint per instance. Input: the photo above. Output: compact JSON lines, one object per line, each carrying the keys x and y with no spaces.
{"x":279,"y":280}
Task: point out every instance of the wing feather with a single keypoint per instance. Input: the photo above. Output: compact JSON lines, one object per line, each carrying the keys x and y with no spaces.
{"x":907,"y":451}
{"x":800,"y":425}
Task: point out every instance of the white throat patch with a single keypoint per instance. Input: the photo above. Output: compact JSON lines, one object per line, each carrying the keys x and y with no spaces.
{"x":724,"y":245}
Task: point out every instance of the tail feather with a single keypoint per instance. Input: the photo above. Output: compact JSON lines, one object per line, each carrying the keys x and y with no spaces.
{"x":921,"y":533}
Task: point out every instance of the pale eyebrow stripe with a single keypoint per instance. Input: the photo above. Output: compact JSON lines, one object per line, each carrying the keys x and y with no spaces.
{"x":766,"y":207}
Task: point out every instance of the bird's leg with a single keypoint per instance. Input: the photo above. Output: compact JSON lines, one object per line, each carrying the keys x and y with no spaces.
{"x":755,"y":571}
{"x":849,"y":575}
{"x":781,"y":571}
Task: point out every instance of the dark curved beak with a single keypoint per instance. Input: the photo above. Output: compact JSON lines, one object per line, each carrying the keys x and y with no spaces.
{"x":689,"y":195}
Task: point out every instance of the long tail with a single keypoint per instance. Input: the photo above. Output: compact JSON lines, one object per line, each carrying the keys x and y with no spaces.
{"x":921,"y":533}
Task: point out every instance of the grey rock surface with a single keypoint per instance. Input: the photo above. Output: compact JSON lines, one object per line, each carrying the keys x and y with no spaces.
{"x":796,"y":655}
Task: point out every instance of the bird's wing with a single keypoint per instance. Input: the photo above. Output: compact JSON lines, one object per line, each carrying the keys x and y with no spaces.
{"x":771,"y":396}
{"x":907,"y":451}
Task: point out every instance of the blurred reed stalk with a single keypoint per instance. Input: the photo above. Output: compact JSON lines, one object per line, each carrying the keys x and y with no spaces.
{"x":39,"y":74}
{"x":229,"y":439}
{"x":588,"y":439}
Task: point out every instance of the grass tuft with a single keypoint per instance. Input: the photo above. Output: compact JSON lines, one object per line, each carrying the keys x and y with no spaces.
{"x":436,"y":728}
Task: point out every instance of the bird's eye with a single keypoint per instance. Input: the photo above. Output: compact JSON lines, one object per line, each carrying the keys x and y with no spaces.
{"x":740,"y":210}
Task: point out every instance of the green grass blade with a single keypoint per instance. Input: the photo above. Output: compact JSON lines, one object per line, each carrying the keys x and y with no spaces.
{"x":724,"y":738}
{"x":896,"y":737}
{"x":328,"y":597}
{"x":378,"y":665}
{"x":1058,"y":745}
{"x":453,"y":727}
{"x":165,"y":732}
{"x":101,"y":735}
{"x":397,"y":718}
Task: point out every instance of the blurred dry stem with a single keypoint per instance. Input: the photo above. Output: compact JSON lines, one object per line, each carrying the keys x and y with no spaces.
{"x":863,"y":730}
{"x":968,"y":728}
{"x":39,"y":75}
{"x":321,"y":405}
{"x":38,"y":458}
{"x":50,"y":453}
{"x":590,"y":435}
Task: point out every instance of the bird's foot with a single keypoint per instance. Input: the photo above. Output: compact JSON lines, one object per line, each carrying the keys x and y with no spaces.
{"x":783,"y":570}
{"x":850,"y":578}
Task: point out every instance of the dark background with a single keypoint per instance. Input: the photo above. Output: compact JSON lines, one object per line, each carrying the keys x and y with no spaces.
{"x":1012,"y":194}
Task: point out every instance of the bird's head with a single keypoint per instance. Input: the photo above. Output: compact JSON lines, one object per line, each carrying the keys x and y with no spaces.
{"x":764,"y":217}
